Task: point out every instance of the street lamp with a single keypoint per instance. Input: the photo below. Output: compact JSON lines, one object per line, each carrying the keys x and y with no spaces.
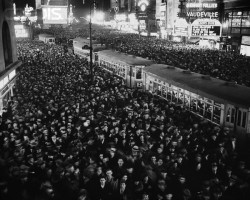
{"x":90,"y":39}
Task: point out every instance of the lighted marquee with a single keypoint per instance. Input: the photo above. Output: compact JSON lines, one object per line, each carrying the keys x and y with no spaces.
{"x":206,"y":27}
{"x":202,"y":9}
{"x":181,"y":27}
{"x":21,"y":31}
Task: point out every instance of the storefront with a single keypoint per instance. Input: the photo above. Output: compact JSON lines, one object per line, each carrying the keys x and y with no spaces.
{"x":7,"y":83}
{"x":236,"y":21}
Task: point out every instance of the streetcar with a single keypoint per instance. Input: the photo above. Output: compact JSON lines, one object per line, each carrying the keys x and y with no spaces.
{"x":220,"y":102}
{"x":81,"y":48}
{"x":127,"y":67}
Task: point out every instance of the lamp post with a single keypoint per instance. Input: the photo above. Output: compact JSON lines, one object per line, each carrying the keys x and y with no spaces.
{"x":90,"y":44}
{"x":90,"y":39}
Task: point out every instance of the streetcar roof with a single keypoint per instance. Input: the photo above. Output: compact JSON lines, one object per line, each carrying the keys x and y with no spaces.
{"x":45,"y":35}
{"x":84,"y":40}
{"x":212,"y":88}
{"x":116,"y":56}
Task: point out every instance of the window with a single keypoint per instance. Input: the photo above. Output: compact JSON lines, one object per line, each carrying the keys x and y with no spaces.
{"x":216,"y":114}
{"x":7,"y":50}
{"x":138,"y":73}
{"x":233,"y":115}
{"x":164,"y":92}
{"x":244,"y":119}
{"x":239,"y":118}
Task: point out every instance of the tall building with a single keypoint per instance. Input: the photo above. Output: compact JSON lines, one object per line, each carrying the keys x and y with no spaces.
{"x":8,"y":53}
{"x":161,"y":17}
{"x":54,"y":2}
{"x":236,"y":21}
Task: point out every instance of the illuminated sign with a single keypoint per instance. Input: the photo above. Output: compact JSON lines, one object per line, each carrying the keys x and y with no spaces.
{"x":21,"y":31}
{"x":142,"y":25}
{"x":120,"y":17}
{"x":201,"y":5}
{"x":181,"y":27}
{"x":202,"y":27}
{"x":203,"y":14}
{"x":28,"y":10}
{"x":55,"y":15}
{"x":202,"y":9}
{"x":245,"y":40}
{"x":143,"y":5}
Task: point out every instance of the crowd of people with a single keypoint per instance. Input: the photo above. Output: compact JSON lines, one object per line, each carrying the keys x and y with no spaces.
{"x":228,"y":66}
{"x":65,"y":136}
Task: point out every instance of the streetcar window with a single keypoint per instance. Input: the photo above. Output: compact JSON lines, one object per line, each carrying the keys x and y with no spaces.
{"x":216,"y":114}
{"x":239,"y":118}
{"x":228,"y":114}
{"x":138,"y":73}
{"x":233,"y":115}
{"x":244,"y":119}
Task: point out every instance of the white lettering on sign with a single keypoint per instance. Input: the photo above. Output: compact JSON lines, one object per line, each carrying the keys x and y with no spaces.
{"x":55,"y":15}
{"x":201,"y":5}
{"x":203,"y":14}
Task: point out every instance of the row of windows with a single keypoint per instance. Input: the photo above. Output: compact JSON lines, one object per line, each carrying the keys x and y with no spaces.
{"x":135,"y":71}
{"x":115,"y":69}
{"x":238,"y":22}
{"x":207,"y":108}
{"x":240,"y":117}
{"x":195,"y":103}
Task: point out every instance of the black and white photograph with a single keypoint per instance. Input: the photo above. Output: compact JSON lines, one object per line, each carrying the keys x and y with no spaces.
{"x":124,"y":99}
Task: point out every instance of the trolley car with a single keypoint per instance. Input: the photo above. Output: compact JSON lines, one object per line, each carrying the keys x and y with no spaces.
{"x":81,"y":48}
{"x":123,"y":65}
{"x":223,"y":103}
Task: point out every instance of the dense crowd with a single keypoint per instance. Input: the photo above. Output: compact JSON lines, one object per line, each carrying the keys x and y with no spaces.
{"x":228,"y":66}
{"x":64,"y":137}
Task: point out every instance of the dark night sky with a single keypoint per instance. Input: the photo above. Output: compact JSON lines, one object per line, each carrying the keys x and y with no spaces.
{"x":78,"y":8}
{"x":76,"y":3}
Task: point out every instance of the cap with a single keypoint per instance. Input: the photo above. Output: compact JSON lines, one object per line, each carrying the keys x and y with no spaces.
{"x":135,"y":148}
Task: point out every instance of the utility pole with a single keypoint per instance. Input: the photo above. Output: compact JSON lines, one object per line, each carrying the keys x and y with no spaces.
{"x":90,"y":39}
{"x":90,"y":44}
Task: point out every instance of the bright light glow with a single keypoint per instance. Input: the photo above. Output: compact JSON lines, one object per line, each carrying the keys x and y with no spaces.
{"x":225,"y":25}
{"x":88,"y":17}
{"x":12,"y":74}
{"x":1,"y":84}
{"x":99,"y":16}
{"x":5,"y":80}
{"x":177,"y":39}
{"x":121,"y":17}
{"x":132,"y":18}
{"x":143,"y":7}
{"x":17,"y":18}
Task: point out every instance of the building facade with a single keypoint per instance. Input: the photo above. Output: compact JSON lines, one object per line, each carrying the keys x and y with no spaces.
{"x":236,"y":22}
{"x":8,"y":53}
